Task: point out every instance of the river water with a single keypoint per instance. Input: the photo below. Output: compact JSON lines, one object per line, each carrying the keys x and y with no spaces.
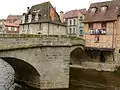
{"x":81,"y":79}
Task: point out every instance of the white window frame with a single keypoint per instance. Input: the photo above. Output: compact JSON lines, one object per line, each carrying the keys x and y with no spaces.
{"x":9,"y":28}
{"x":15,"y":28}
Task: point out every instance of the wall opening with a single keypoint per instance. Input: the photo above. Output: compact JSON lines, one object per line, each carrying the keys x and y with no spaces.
{"x":77,"y":56}
{"x":102,"y":57}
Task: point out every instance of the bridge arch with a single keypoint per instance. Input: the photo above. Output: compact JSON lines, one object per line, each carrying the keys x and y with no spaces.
{"x":77,"y":55}
{"x":25,"y":73}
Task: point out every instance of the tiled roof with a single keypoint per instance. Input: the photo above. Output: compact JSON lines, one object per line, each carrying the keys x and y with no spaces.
{"x":13,"y":17}
{"x":111,"y":13}
{"x":11,"y":24}
{"x":74,"y":13}
{"x":43,"y":10}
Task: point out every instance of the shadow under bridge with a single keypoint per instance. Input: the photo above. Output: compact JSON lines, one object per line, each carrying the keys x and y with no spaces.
{"x":25,"y":73}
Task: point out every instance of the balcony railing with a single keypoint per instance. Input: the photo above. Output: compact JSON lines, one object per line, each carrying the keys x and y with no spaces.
{"x":98,"y":31}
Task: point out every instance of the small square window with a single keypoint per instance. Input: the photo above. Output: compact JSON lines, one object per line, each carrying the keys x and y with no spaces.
{"x":9,"y":28}
{"x":15,"y":29}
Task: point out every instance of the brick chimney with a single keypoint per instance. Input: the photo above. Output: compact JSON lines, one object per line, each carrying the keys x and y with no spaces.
{"x":28,"y":9}
{"x":62,"y":16}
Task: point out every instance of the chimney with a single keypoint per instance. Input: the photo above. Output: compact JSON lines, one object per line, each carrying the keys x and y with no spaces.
{"x":28,"y":9}
{"x":62,"y":16}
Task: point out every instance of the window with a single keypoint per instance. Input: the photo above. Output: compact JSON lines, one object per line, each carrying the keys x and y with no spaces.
{"x":15,"y":29}
{"x":9,"y":28}
{"x":81,"y":18}
{"x":70,"y":22}
{"x":39,"y":16}
{"x":33,"y":16}
{"x":96,"y":38}
{"x":104,"y":25}
{"x":70,"y":30}
{"x":0,"y":27}
{"x":103,"y":9}
{"x":91,"y":25}
{"x":81,"y":25}
{"x":28,"y":26}
{"x":39,"y":32}
{"x":26,"y":18}
{"x":57,"y":26}
{"x":23,"y":27}
{"x":93,"y":10}
{"x":40,"y":26}
{"x":74,"y":30}
{"x":74,"y":21}
{"x":81,"y":32}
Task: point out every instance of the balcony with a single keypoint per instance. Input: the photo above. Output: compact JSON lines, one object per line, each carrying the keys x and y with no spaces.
{"x":98,"y":31}
{"x":99,"y":42}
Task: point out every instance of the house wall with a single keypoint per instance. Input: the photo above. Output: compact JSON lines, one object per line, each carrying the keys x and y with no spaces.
{"x":72,"y":25}
{"x":97,"y":26}
{"x":12,"y":31}
{"x":43,"y":28}
{"x":77,"y":25}
{"x":105,"y":41}
{"x":117,"y":41}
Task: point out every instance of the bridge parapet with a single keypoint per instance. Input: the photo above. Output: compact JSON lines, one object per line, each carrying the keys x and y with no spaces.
{"x":13,"y":41}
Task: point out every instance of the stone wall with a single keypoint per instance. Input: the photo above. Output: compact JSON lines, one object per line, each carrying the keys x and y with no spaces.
{"x":49,"y":55}
{"x":52,"y":63}
{"x":28,"y":41}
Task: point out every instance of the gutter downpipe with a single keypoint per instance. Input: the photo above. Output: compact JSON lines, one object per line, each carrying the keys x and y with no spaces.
{"x":113,"y":41}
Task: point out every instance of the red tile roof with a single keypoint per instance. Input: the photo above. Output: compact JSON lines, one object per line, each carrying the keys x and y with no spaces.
{"x":111,"y":13}
{"x":11,"y":24}
{"x":74,"y":13}
{"x":14,"y":17}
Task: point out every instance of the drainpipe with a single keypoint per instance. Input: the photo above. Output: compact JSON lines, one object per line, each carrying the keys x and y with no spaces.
{"x":113,"y":41}
{"x":113,"y":55}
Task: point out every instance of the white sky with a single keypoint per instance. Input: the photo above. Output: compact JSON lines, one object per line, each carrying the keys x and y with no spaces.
{"x":16,"y":7}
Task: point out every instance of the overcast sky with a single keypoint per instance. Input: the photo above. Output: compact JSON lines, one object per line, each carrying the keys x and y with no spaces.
{"x":16,"y":7}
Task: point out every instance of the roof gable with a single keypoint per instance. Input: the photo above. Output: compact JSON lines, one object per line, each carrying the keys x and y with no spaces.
{"x":74,"y":13}
{"x":43,"y":10}
{"x":110,"y":14}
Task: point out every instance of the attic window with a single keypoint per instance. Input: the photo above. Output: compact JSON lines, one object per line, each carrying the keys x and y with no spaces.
{"x":93,"y":10}
{"x":104,"y":8}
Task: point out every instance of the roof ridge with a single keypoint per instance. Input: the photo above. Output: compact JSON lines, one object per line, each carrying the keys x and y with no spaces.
{"x":41,"y":3}
{"x":101,"y":2}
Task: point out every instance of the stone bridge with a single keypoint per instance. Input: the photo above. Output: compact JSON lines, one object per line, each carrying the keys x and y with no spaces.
{"x":39,"y":61}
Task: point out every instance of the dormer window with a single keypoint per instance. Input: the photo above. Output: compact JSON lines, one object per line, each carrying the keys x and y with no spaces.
{"x":93,"y":10}
{"x":36,"y":17}
{"x":33,"y":17}
{"x":104,"y":8}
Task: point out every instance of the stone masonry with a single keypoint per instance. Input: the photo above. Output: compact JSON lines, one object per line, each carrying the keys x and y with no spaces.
{"x":49,"y":55}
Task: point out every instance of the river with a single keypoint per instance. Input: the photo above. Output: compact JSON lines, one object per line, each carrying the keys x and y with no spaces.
{"x":81,"y":79}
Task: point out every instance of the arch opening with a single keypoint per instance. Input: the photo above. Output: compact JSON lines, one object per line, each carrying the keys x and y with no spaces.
{"x":77,"y":56}
{"x":25,"y":73}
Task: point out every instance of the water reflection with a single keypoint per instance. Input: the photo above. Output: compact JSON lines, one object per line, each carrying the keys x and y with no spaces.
{"x":81,"y":79}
